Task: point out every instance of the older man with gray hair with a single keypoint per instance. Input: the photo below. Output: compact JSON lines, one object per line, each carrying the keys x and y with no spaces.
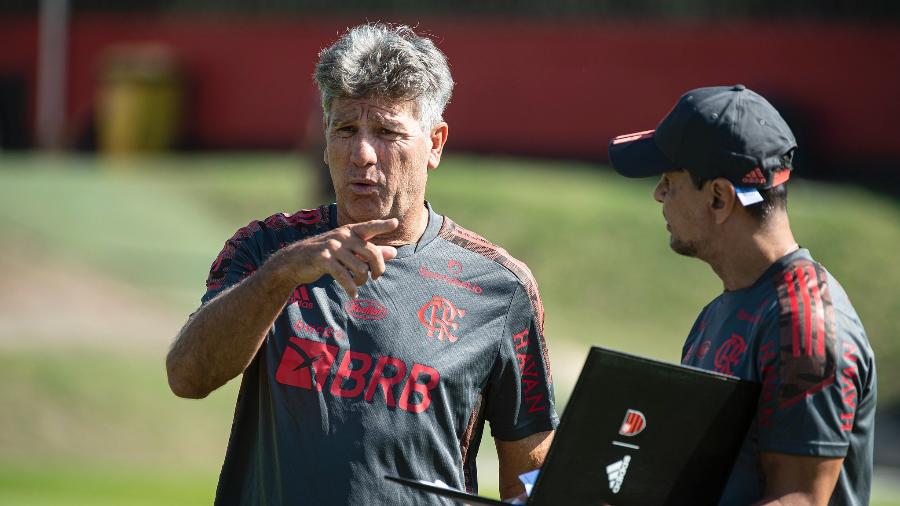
{"x":374,"y":335}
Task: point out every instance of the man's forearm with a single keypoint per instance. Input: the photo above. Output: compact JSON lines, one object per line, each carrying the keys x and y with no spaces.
{"x":221,"y":339}
{"x":218,"y":342}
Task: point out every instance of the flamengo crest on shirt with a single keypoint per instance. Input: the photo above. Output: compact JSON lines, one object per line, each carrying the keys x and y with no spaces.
{"x":633,"y":424}
{"x":616,"y":473}
{"x":437,"y":316}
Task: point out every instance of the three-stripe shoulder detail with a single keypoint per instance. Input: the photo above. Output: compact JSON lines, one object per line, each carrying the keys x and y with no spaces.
{"x":307,"y":221}
{"x":808,"y":343}
{"x":471,"y":241}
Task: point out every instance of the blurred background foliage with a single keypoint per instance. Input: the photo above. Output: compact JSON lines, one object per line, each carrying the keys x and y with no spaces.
{"x":136,"y":137}
{"x":103,"y":260}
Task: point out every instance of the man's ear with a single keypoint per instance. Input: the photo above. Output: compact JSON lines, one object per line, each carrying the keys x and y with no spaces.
{"x":438,"y":139}
{"x":722,"y":199}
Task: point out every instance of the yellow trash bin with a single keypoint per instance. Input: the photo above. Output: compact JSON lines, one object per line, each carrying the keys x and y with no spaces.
{"x":139,"y":100}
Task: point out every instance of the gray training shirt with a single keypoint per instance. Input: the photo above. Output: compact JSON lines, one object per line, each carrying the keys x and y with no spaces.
{"x":795,"y":332}
{"x":398,"y":381}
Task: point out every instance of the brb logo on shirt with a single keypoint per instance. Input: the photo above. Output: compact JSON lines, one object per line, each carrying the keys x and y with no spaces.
{"x":437,"y":316}
{"x":308,"y":364}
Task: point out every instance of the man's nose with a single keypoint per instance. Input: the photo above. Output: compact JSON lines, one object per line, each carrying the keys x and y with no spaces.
{"x":363,"y":152}
{"x":659,"y":193}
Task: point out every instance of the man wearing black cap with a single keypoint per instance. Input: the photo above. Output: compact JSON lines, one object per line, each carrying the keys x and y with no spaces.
{"x":723,"y":155}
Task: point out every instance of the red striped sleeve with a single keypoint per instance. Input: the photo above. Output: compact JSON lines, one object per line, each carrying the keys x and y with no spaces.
{"x":793,"y":311}
{"x":807,"y":361}
{"x":807,"y":316}
{"x":819,"y":310}
{"x":302,"y":220}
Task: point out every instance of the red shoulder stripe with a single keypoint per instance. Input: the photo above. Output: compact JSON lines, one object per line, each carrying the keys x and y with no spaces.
{"x":807,"y":311}
{"x":471,"y":241}
{"x":301,"y":219}
{"x":820,"y":311}
{"x":220,"y":265}
{"x":793,"y":310}
{"x":807,"y":342}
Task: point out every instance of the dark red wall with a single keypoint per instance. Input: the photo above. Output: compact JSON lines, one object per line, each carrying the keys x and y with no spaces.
{"x":522,"y":86}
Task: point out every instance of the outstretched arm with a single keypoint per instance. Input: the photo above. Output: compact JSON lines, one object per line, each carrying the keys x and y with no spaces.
{"x":219,"y":341}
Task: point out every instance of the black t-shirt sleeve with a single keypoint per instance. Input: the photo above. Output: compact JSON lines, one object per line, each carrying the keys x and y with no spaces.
{"x":520,"y":399}
{"x":238,"y":259}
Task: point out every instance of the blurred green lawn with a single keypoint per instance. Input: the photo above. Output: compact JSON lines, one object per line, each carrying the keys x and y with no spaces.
{"x":88,"y":422}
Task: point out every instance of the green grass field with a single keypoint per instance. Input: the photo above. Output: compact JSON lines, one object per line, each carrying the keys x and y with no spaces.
{"x":103,"y":262}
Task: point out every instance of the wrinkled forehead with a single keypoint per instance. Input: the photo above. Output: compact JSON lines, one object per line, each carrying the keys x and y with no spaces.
{"x":374,"y":108}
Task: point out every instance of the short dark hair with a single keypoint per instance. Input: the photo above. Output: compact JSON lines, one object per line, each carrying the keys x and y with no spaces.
{"x":773,"y":198}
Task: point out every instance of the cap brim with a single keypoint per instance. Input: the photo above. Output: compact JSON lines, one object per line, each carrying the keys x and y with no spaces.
{"x":637,"y":155}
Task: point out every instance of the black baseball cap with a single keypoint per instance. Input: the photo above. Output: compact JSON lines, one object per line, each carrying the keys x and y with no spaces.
{"x":720,"y":131}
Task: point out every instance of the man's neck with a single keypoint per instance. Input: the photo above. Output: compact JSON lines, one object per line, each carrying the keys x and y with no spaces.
{"x":746,"y":256}
{"x":412,"y":226}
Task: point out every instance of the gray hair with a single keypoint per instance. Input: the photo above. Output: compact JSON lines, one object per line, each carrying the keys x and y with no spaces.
{"x":388,"y":61}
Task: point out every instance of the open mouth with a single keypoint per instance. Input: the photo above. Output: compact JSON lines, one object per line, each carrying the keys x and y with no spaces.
{"x":363,"y":187}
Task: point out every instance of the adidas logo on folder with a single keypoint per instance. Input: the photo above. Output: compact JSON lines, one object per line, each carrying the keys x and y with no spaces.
{"x":616,"y":473}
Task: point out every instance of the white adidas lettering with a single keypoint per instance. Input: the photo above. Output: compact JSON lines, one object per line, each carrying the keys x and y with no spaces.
{"x":616,"y":473}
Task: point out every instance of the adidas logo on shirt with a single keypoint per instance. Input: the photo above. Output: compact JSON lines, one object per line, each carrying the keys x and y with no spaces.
{"x":616,"y":473}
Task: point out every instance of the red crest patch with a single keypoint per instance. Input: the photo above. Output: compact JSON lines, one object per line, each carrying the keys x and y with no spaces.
{"x":729,"y":354}
{"x":437,"y":316}
{"x":633,"y":424}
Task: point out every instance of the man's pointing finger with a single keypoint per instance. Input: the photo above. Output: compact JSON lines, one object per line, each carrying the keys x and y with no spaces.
{"x":370,"y":229}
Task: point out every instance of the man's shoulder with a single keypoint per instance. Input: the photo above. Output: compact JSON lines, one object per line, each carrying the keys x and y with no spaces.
{"x":511,"y":268}
{"x":306,"y":222}
{"x":806,"y":289}
{"x":304,"y":219}
{"x":818,"y":329}
{"x":262,"y":237}
{"x":473,"y":242}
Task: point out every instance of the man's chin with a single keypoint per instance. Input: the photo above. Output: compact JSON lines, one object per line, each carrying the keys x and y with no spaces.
{"x":360,"y":213}
{"x":683,"y":248}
